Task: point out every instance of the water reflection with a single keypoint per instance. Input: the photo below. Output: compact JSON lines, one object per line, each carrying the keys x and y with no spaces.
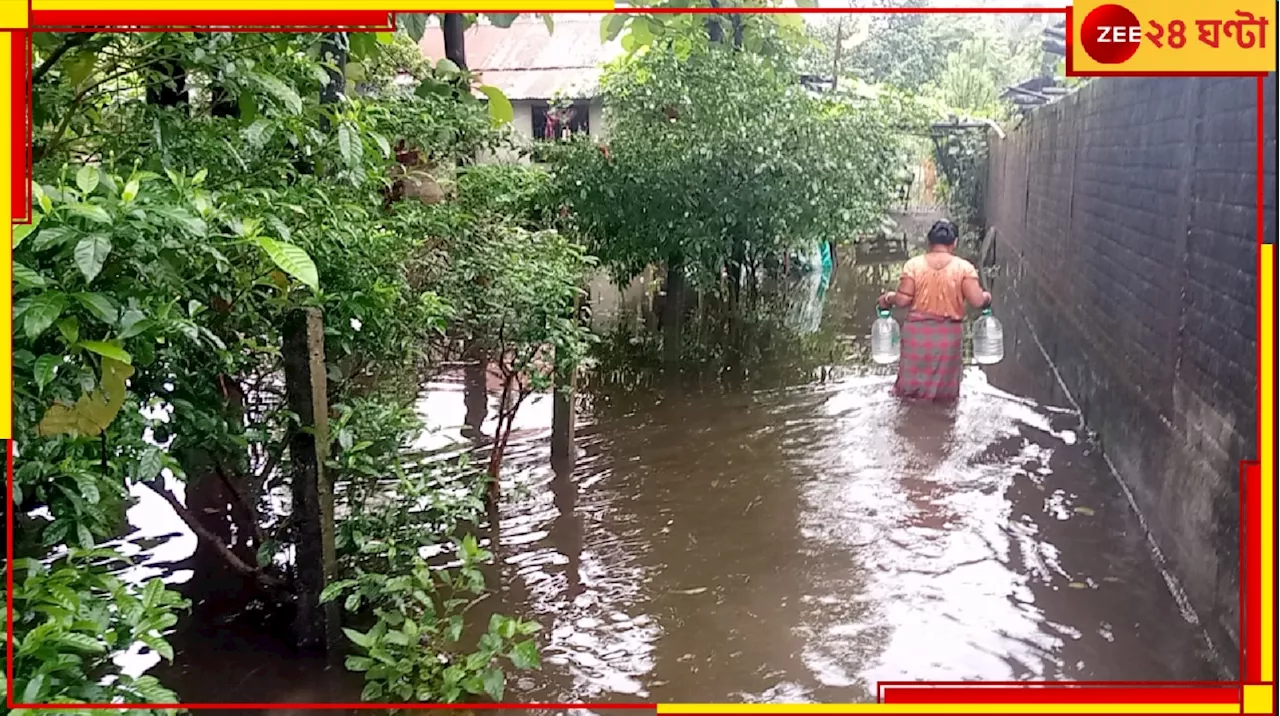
{"x":796,"y":542}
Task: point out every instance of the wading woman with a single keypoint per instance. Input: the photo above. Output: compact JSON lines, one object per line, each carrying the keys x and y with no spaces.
{"x":936,"y":285}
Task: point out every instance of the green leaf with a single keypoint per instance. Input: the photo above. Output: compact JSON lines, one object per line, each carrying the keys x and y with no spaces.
{"x":130,"y":191}
{"x":292,"y":260}
{"x":806,"y":3}
{"x":359,"y":639}
{"x":52,"y":237}
{"x":69,"y":327}
{"x":414,"y":24}
{"x":383,"y":145}
{"x":149,"y":688}
{"x":159,"y":646}
{"x":386,"y":38}
{"x":524,"y":655}
{"x":84,"y":536}
{"x":109,"y":350}
{"x":611,"y":25}
{"x":87,"y":179}
{"x":355,"y":71}
{"x":276,"y":88}
{"x":349,"y":145}
{"x":46,"y":367}
{"x":359,"y":663}
{"x":640,"y":34}
{"x":92,"y":212}
{"x":100,"y":306}
{"x":22,"y":231}
{"x":502,"y":19}
{"x":549,"y":20}
{"x":43,"y":310}
{"x":446,"y":66}
{"x":331,"y":591}
{"x":31,"y":693}
{"x":360,"y":45}
{"x":83,"y":642}
{"x":80,"y":66}
{"x":87,"y":484}
{"x":150,"y":465}
{"x":259,"y":133}
{"x":494,"y":683}
{"x":197,"y":227}
{"x":90,"y":254}
{"x":27,"y":278}
{"x":151,"y":593}
{"x":247,"y":103}
{"x":500,"y":109}
{"x":372,"y":691}
{"x":133,"y":322}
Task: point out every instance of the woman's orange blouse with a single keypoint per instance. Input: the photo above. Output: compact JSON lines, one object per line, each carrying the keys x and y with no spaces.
{"x":938,"y":290}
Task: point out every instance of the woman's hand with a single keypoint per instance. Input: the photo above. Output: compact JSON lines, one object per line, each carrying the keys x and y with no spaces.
{"x":986,"y":299}
{"x":885,"y":300}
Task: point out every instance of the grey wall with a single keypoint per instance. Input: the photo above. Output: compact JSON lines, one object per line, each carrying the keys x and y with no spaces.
{"x":1127,"y":222}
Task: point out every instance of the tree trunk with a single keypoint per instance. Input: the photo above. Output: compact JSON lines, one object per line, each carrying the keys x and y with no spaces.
{"x":455,"y":39}
{"x":333,"y":50}
{"x":475,"y":393}
{"x":715,"y":32}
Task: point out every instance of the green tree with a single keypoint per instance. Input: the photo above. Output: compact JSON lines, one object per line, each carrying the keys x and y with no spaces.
{"x":719,"y":161}
{"x":190,"y":191}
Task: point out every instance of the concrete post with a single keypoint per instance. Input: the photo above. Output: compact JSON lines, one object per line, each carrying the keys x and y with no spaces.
{"x":564,"y":412}
{"x":316,"y":626}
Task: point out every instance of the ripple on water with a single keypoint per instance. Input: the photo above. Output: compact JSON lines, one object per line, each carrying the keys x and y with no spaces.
{"x":800,"y":545}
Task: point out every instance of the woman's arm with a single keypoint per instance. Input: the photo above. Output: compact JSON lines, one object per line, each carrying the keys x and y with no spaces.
{"x":974,"y":294}
{"x":901,"y":298}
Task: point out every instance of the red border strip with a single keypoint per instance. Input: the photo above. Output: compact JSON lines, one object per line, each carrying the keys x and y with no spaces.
{"x":1251,"y":584}
{"x":239,"y":20}
{"x":1061,"y":694}
{"x":20,"y":127}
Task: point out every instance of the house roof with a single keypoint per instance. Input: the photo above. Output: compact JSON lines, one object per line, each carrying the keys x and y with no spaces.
{"x":526,"y":62}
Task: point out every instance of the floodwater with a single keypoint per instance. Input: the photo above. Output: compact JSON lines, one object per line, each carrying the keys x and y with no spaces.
{"x":794,"y":540}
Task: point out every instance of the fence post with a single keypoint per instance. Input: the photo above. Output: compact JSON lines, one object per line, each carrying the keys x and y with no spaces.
{"x":316,"y":626}
{"x":564,"y":401}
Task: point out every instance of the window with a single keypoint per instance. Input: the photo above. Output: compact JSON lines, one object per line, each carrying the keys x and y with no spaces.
{"x":553,"y":123}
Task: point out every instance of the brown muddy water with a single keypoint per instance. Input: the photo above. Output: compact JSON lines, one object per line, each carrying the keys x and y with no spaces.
{"x":794,"y":542}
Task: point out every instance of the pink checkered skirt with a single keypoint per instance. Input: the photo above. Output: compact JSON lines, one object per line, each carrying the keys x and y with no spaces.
{"x":932,"y":361}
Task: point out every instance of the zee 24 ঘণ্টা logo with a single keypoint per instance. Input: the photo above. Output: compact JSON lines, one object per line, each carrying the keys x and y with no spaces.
{"x":1112,"y":34}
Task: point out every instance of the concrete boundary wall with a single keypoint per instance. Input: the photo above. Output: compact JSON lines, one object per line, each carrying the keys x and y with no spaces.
{"x":1127,"y":229}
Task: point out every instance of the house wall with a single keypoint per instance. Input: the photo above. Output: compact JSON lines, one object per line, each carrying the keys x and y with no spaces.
{"x":522,"y":126}
{"x":1127,"y":218}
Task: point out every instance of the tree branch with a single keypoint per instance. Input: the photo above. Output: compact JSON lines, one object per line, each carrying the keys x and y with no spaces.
{"x":270,"y":582}
{"x":71,"y":42}
{"x":250,"y":512}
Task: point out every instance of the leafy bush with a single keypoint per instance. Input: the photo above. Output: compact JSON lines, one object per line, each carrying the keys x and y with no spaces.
{"x":723,"y":160}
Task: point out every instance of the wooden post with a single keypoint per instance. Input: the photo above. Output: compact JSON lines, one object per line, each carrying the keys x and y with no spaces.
{"x":316,"y":626}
